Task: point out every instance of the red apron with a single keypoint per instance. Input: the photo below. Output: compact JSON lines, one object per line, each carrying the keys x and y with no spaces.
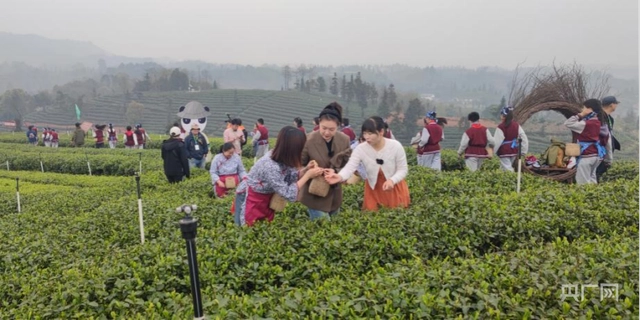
{"x":221,"y":192}
{"x":257,"y":207}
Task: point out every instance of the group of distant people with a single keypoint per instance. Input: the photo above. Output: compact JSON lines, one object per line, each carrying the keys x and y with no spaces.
{"x":49,"y":136}
{"x":592,"y":127}
{"x":133,"y":139}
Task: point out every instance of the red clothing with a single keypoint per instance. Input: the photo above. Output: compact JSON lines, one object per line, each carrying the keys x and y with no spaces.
{"x":54,"y":136}
{"x":477,"y":141}
{"x":257,"y":207}
{"x":510,"y":134}
{"x":435,"y":136}
{"x":112,"y":135}
{"x":316,"y":128}
{"x":139,"y":136}
{"x":264,"y":135}
{"x":349,"y":132}
{"x":301,"y":128}
{"x":99,"y":136}
{"x":222,"y":191}
{"x":130,"y":142}
{"x":591,"y":133}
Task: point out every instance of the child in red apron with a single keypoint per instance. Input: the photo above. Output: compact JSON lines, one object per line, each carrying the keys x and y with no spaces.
{"x":226,"y":164}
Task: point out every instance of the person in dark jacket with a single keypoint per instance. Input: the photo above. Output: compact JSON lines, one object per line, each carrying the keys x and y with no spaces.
{"x":174,"y":155}
{"x":197,"y":146}
{"x":609,"y":105}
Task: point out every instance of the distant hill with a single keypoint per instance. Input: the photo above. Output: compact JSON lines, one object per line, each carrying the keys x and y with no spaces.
{"x":277,"y":108}
{"x":37,"y":50}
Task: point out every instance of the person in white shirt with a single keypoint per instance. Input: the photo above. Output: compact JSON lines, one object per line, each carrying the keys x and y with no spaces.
{"x":234,"y":135}
{"x":506,"y":140}
{"x":474,"y":143}
{"x":385,"y":162}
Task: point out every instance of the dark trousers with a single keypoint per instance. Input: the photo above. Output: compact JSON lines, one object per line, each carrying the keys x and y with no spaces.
{"x":99,"y":145}
{"x":602,"y":168}
{"x":174,"y":179}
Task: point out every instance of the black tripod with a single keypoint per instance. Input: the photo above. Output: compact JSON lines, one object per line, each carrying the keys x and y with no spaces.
{"x":189,"y":228}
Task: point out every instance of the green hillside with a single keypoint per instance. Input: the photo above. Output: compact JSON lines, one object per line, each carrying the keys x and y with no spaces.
{"x":277,"y":108}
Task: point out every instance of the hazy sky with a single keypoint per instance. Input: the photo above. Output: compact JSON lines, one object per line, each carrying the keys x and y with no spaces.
{"x":445,"y":32}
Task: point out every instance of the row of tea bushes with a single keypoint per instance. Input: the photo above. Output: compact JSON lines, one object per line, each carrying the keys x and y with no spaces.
{"x":458,"y":251}
{"x":155,"y":144}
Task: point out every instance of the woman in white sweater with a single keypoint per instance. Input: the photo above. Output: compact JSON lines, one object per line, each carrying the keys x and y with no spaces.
{"x":385,"y":162}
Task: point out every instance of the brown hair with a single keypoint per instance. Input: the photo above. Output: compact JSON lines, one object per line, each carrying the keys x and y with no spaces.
{"x":288,"y":149}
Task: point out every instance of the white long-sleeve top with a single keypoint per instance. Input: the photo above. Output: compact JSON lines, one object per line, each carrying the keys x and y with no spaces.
{"x":498,"y":137}
{"x":464,"y":142}
{"x":394,"y":168}
{"x":424,"y":137}
{"x":220,"y":165}
{"x":135,"y":139}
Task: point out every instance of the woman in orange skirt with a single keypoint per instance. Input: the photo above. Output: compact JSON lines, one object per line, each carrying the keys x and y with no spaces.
{"x":385,"y":162}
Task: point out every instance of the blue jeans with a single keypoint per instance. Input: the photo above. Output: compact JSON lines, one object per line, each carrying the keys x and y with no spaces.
{"x":239,"y":202}
{"x":197,"y":163}
{"x":317,"y":214}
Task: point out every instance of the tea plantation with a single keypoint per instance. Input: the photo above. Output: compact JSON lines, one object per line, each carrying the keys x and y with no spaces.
{"x":468,"y":247}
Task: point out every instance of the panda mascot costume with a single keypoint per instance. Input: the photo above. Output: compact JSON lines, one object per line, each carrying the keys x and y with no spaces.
{"x":194,"y":113}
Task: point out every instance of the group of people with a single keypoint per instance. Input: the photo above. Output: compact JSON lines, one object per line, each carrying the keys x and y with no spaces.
{"x":299,"y":165}
{"x":593,"y":131}
{"x":592,"y":128}
{"x":49,"y":136}
{"x":133,"y":139}
{"x":310,"y":168}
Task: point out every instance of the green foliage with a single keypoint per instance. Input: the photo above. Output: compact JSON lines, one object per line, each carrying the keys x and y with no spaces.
{"x":468,"y":247}
{"x":135,"y":113}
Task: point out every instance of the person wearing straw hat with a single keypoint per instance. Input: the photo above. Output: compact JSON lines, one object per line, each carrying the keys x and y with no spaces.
{"x":174,"y":156}
{"x":197,"y":147}
{"x":429,"y":144}
{"x":506,"y":138}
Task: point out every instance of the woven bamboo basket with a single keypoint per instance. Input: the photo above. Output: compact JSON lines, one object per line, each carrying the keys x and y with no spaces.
{"x":230,"y":183}
{"x":277,"y":203}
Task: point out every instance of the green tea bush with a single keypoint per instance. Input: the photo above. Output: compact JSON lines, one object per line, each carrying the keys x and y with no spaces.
{"x":468,"y":246}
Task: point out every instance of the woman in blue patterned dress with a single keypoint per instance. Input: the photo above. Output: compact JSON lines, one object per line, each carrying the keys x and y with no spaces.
{"x":279,"y":171}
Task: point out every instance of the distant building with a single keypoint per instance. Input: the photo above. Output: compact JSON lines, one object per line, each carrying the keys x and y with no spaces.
{"x":428,"y":96}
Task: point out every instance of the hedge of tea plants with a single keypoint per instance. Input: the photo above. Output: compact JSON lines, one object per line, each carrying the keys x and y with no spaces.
{"x":468,"y":247}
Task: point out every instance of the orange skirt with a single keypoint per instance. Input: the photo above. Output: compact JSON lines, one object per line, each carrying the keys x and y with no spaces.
{"x":398,"y":197}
